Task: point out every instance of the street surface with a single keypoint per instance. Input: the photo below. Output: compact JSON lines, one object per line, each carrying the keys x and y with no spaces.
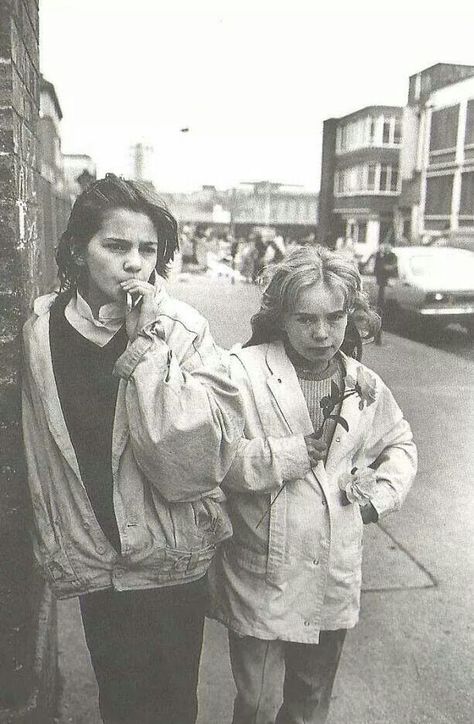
{"x":411,"y":658}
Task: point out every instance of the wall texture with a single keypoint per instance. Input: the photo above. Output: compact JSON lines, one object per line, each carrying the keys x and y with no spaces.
{"x":27,"y":613}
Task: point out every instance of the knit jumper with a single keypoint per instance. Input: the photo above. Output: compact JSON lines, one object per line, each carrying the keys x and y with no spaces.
{"x":315,"y":386}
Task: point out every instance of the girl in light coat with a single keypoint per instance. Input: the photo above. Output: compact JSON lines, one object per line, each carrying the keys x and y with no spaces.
{"x":325,"y":449}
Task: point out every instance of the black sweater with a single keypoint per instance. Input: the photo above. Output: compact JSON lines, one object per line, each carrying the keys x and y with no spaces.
{"x":88,"y":392}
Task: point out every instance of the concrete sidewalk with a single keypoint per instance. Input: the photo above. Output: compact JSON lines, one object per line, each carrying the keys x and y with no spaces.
{"x":411,"y":658}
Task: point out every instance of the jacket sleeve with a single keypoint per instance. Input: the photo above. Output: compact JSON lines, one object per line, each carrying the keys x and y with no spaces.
{"x":185,"y":418}
{"x":262,"y":464}
{"x":390,"y":450}
{"x":38,"y":470}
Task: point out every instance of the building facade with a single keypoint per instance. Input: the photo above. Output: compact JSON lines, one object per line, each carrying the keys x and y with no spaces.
{"x":360,"y":176}
{"x":291,"y":211}
{"x":437,"y":162}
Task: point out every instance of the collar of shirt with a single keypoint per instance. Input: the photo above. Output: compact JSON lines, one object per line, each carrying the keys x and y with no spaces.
{"x":101,"y":330}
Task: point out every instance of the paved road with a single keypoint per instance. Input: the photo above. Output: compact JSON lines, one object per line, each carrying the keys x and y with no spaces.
{"x":411,"y":659}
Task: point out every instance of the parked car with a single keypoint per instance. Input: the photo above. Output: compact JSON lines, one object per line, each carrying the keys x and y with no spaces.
{"x":433,"y":284}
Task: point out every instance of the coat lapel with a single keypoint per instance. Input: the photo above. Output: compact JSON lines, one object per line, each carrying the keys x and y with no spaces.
{"x":42,"y":371}
{"x":285,"y":388}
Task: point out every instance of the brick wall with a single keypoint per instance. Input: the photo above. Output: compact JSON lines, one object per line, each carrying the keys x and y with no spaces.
{"x":27,"y":621}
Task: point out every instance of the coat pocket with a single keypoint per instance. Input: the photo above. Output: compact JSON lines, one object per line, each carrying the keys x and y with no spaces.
{"x":177,"y":565}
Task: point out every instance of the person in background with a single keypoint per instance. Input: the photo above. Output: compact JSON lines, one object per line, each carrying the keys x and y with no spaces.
{"x":325,"y":450}
{"x":385,"y":267}
{"x":130,"y":424}
{"x":345,"y":246}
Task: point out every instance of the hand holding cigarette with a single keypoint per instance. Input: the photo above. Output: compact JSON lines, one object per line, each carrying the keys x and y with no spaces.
{"x":139,"y":315}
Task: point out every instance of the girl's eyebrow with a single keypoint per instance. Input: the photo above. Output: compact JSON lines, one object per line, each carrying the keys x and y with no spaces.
{"x":127,"y":241}
{"x":311,"y":316}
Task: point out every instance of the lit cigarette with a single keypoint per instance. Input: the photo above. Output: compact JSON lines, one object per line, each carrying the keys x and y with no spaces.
{"x":131,"y":302}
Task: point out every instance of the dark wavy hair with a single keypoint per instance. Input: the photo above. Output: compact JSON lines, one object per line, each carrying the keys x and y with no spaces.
{"x":87,"y":216}
{"x":302,"y":268}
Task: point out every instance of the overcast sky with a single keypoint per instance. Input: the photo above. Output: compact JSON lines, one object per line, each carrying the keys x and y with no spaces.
{"x":253,"y":80}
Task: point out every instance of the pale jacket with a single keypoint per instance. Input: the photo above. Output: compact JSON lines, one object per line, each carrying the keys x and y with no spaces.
{"x":178,"y":422}
{"x":299,"y":572}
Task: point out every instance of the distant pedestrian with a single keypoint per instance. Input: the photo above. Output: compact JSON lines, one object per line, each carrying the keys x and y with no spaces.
{"x":345,"y":246}
{"x":325,"y":449}
{"x":130,"y":424}
{"x":385,"y":267}
{"x":260,"y":251}
{"x":278,"y":244}
{"x":247,"y":260}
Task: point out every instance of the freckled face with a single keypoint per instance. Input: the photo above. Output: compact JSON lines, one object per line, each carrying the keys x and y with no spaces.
{"x":125,"y":247}
{"x":317,"y":325}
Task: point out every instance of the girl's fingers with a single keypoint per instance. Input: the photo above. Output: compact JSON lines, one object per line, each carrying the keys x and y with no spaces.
{"x":134,"y":286}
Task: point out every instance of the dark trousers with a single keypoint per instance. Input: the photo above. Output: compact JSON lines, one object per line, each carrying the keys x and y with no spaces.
{"x":280,"y":682}
{"x":145,"y":648}
{"x":380,"y":310}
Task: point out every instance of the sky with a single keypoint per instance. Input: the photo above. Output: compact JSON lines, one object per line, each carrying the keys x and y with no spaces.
{"x":252,"y":80}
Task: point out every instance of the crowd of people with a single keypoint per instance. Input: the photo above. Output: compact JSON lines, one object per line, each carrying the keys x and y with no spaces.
{"x":248,"y":255}
{"x":171,"y":479}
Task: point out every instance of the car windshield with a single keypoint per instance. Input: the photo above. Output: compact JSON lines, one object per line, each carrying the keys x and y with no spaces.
{"x":445,"y":265}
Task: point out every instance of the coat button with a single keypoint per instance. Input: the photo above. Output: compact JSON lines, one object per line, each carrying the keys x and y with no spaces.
{"x":315,"y":561}
{"x":307,"y":623}
{"x":338,"y":439}
{"x":100,"y":549}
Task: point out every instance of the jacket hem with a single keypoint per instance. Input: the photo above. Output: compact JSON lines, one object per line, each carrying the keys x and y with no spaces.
{"x":257,"y":633}
{"x":64,"y":593}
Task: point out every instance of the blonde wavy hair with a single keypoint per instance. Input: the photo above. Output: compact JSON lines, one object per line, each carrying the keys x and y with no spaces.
{"x":302,"y":268}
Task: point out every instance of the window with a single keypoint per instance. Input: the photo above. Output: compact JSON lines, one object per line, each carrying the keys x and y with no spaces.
{"x":467,"y":195}
{"x":386,"y":131}
{"x":397,"y":132}
{"x":372,"y":167}
{"x":444,"y":128}
{"x":469,"y":137}
{"x":361,"y":232}
{"x":384,"y":174}
{"x":438,"y":195}
{"x":394,"y":179}
{"x":366,"y":178}
{"x":372,"y":131}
